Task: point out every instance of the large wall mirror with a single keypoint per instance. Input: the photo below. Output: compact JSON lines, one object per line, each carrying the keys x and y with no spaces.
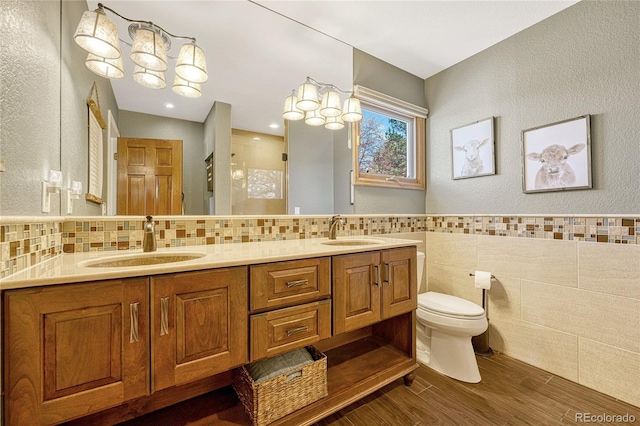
{"x":52,"y":121}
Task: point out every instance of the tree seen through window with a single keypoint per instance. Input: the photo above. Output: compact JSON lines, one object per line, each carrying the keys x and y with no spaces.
{"x":383,"y":145}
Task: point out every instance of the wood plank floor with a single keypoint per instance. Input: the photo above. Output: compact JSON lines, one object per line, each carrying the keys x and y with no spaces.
{"x":511,"y":393}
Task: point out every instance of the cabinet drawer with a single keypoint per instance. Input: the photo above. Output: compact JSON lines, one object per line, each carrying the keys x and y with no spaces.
{"x":289,"y":328}
{"x":280,"y":284}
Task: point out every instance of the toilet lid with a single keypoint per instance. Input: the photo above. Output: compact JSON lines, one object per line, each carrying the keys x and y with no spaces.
{"x":449,"y":305}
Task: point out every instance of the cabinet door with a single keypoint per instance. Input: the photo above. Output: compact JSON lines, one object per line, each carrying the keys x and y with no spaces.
{"x":356,"y":291}
{"x":199,"y":325}
{"x":72,"y":350}
{"x":399,"y":285}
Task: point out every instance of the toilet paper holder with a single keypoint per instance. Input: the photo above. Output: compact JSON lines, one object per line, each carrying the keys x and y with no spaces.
{"x":493,"y":277}
{"x":481,"y":343}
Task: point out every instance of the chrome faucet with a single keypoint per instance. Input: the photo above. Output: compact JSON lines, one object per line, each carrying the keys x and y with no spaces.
{"x":149,"y":240}
{"x":333,"y":226}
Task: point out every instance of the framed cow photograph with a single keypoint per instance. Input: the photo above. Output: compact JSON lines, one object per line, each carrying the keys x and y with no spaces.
{"x":557,"y":156}
{"x":472,"y":150}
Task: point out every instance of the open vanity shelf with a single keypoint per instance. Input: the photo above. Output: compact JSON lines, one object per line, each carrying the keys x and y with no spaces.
{"x":355,"y":370}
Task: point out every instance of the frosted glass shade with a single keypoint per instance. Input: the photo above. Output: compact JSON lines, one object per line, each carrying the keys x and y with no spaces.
{"x":148,"y":50}
{"x":97,"y":34}
{"x":307,"y":97}
{"x":191,"y":64}
{"x":352,"y":112}
{"x":149,"y":78}
{"x":186,"y":88}
{"x":313,"y":118}
{"x":330,"y":105}
{"x":290,"y":111}
{"x":334,"y":123}
{"x":107,"y":68}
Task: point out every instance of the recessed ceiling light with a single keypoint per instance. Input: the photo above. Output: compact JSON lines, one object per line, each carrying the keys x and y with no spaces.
{"x":274,"y":126}
{"x":256,"y":138}
{"x":169,"y":105}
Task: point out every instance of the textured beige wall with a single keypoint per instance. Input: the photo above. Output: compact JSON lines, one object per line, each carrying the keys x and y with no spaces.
{"x":569,"y":307}
{"x":583,"y":60}
{"x":30,"y":103}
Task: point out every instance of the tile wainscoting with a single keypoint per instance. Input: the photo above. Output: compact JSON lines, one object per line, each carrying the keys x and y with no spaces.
{"x":569,"y":307}
{"x":27,"y":241}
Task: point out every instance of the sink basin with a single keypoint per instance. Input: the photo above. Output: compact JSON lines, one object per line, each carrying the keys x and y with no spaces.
{"x":141,"y":259}
{"x":350,"y":242}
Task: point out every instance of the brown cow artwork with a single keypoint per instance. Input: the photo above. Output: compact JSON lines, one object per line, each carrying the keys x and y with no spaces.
{"x":555,"y":171}
{"x":557,"y":156}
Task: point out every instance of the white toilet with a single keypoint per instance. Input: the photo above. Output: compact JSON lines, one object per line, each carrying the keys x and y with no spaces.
{"x":445,"y":325}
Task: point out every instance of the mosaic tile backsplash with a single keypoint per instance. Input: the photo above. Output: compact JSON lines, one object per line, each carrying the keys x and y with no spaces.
{"x":26,"y":244}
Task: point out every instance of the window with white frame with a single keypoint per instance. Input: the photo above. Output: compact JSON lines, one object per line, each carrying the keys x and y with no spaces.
{"x":389,"y":142}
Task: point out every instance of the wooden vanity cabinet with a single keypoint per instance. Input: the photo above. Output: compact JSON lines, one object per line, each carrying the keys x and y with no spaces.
{"x":199,"y":325}
{"x":71,"y":350}
{"x":371,"y":286}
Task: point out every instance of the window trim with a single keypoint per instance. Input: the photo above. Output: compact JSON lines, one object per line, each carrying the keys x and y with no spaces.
{"x":380,"y":101}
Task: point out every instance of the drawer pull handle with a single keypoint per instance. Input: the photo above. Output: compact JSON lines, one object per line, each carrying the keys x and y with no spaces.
{"x":164,"y":316}
{"x":376,"y":278}
{"x":297,"y":283}
{"x":387,"y":273}
{"x":133,"y":313}
{"x":297,"y":330}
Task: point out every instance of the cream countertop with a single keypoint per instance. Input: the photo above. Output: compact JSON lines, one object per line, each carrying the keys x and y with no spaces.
{"x":68,"y":268}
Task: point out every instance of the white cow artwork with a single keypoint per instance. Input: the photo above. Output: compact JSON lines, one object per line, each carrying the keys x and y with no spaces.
{"x":473,"y":165}
{"x":554,"y":171}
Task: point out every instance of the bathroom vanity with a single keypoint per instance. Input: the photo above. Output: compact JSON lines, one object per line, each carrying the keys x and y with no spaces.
{"x":106,"y":344}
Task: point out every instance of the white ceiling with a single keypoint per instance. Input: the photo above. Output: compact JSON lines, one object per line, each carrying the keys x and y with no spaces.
{"x":258,"y":51}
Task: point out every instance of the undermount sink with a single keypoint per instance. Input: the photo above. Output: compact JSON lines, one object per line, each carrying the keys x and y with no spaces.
{"x":141,"y":259}
{"x":350,"y":242}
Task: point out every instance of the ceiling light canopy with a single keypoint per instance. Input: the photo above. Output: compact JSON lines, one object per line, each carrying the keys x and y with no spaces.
{"x":98,"y":35}
{"x":319,"y":104}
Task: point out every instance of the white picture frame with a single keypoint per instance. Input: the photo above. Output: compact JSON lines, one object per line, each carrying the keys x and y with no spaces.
{"x":557,"y":156}
{"x":473,"y":150}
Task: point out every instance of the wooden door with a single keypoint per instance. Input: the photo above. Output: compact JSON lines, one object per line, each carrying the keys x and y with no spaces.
{"x":199,"y":325}
{"x":72,"y":350}
{"x":149,"y":177}
{"x":399,"y":288}
{"x":356,"y":291}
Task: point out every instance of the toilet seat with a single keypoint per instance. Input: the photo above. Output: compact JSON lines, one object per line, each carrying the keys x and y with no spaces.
{"x":449,"y":306}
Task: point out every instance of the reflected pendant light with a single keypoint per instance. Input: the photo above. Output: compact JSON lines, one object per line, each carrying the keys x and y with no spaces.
{"x":330,"y":105}
{"x":149,"y":78}
{"x":334,"y":123}
{"x":307,"y":97}
{"x":97,"y":34}
{"x":186,"y":88}
{"x":107,"y":68}
{"x":290,"y":111}
{"x":313,"y":118}
{"x":351,"y":112}
{"x":148,"y":50}
{"x":191,"y":64}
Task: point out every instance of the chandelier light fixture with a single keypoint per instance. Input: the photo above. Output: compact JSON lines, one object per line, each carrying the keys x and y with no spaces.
{"x":319,"y":104}
{"x":98,"y":35}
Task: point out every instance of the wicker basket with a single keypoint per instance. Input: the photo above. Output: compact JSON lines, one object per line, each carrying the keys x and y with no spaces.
{"x":280,"y":395}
